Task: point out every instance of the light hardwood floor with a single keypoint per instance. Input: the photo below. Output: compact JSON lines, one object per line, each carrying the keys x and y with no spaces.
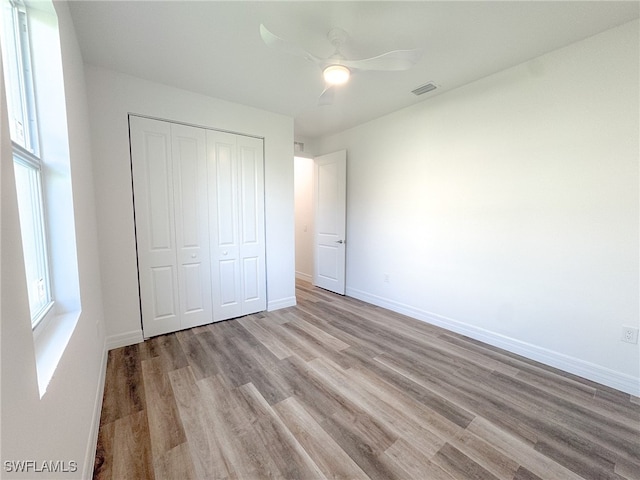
{"x":337,"y":388}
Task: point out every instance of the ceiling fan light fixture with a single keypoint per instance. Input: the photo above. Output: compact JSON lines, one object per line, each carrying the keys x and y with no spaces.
{"x":336,"y":74}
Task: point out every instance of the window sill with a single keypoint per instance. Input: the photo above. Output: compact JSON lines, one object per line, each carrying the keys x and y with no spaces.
{"x":50,"y":341}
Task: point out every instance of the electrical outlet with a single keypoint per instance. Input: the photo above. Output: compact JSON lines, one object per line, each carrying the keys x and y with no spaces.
{"x":386,"y":278}
{"x":629,"y":334}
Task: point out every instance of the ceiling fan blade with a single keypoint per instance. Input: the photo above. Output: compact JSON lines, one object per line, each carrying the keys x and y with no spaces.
{"x":327,"y":95}
{"x":395,"y":60}
{"x":291,"y":48}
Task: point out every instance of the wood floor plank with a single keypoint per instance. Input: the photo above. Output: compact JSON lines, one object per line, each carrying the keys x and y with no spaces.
{"x":478,"y":395}
{"x":337,"y":388}
{"x":255,"y":451}
{"x":199,"y":358}
{"x":170,"y":350}
{"x":323,"y":450}
{"x":316,"y":397}
{"x":422,"y":429}
{"x":260,"y":365}
{"x":585,"y":460}
{"x":203,"y":446}
{"x":165,"y":426}
{"x":356,"y":436}
{"x":267,"y":338}
{"x":292,"y":459}
{"x":293,"y":343}
{"x":414,"y":463}
{"x":562,"y":430}
{"x":132,"y":447}
{"x":322,"y":336}
{"x":606,"y":437}
{"x":223,"y":423}
{"x":354,"y":341}
{"x":147,"y":350}
{"x":485,"y":455}
{"x":353,"y":413}
{"x":315,"y":346}
{"x":566,"y":387}
{"x":104,"y":461}
{"x":518,"y":362}
{"x":471,"y":398}
{"x":407,"y":409}
{"x":123,"y":383}
{"x":524,"y":474}
{"x":175,"y":463}
{"x":630,"y":471}
{"x":521,"y":452}
{"x":437,"y":398}
{"x":458,"y":465}
{"x":232,"y":366}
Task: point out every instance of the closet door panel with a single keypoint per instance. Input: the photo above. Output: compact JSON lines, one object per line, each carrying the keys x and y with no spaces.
{"x":152,"y":170}
{"x":250,"y":274}
{"x":195,"y":297}
{"x":223,"y":224}
{"x":189,"y":189}
{"x":251,"y":205}
{"x":249,"y":191}
{"x":228,"y":281}
{"x":192,"y":232}
{"x":157,"y":205}
{"x":225,"y":191}
{"x":163,"y":299}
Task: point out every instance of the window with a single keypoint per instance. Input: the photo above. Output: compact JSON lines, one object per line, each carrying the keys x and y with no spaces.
{"x":16,"y":55}
{"x":19,"y":77}
{"x":34,"y":244}
{"x":32,"y":66}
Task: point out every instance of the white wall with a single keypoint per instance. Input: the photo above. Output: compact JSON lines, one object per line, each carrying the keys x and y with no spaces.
{"x":303,"y":186}
{"x":508,"y":209}
{"x":61,"y":425}
{"x":112,"y":96}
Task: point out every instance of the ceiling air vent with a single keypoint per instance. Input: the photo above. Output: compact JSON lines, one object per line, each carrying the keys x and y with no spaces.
{"x":427,"y":87}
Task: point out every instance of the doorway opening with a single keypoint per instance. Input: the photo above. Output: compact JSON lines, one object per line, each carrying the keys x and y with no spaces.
{"x":320,"y":220}
{"x":303,"y":207}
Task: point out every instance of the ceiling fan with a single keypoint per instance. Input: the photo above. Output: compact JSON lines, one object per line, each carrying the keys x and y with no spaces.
{"x":336,"y":69}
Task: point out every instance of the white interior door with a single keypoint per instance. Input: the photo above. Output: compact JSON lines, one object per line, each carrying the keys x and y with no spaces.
{"x":236,"y":218}
{"x":192,"y":225}
{"x":172,"y":232}
{"x":152,"y":170}
{"x":251,"y":224}
{"x":330,"y":210}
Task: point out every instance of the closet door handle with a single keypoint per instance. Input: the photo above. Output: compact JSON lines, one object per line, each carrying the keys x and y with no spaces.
{"x":339,"y":241}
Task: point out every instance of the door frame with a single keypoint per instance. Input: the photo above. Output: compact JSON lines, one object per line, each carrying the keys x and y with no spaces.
{"x":330,"y":247}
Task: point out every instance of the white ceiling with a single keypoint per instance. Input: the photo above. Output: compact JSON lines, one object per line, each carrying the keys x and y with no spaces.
{"x":214,"y":47}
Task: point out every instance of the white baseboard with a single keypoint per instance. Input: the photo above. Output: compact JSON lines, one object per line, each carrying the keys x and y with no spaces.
{"x":304,"y":276}
{"x":90,"y":456}
{"x":124,"y":339}
{"x":281,"y":303}
{"x":597,"y":373}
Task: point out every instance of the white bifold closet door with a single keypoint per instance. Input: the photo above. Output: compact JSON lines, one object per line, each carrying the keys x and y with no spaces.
{"x":170,"y":197}
{"x":236,"y":219}
{"x":173,"y":185}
